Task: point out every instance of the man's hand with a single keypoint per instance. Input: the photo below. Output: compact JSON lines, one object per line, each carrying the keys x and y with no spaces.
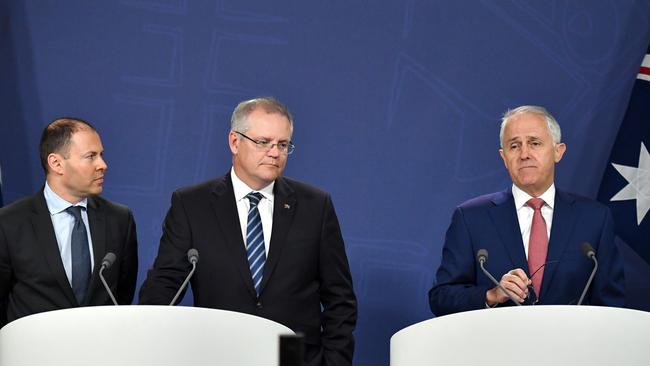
{"x":515,"y":281}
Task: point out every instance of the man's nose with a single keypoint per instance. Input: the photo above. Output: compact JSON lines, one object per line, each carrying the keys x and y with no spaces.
{"x":525,"y":151}
{"x":101,"y":164}
{"x":274,"y":151}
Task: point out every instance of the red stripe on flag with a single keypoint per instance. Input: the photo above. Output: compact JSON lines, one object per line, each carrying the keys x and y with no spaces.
{"x":644,"y":70}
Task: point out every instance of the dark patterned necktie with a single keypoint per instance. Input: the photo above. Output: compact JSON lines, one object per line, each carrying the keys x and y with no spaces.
{"x":80,"y":255}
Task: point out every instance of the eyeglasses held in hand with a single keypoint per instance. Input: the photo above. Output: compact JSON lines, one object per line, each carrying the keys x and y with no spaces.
{"x":532,"y":298}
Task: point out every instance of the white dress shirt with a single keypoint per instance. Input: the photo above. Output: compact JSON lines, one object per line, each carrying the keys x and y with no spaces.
{"x":525,"y":212}
{"x":265,"y":206}
{"x":63,"y":223}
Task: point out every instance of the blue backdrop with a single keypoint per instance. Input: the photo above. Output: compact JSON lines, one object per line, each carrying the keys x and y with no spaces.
{"x":396,"y":103}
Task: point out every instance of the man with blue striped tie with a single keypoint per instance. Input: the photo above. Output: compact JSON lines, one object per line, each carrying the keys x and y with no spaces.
{"x":270,"y":246}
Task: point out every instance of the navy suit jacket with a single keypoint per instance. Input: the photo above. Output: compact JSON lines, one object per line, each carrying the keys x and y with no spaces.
{"x":490,"y":222}
{"x":32,"y":277}
{"x":306,"y":283}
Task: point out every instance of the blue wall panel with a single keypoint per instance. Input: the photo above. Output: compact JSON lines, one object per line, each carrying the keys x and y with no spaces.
{"x":396,"y":103}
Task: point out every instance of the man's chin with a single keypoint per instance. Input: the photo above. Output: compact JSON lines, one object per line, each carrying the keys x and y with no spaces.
{"x":270,"y":166}
{"x":269,"y":177}
{"x":96,"y":191}
{"x":271,"y":171}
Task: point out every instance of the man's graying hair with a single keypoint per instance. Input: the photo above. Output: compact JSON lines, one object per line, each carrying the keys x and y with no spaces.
{"x":239,"y":119}
{"x":551,"y":123}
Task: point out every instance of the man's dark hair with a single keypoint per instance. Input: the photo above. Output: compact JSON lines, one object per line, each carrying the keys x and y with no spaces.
{"x":56,"y":137}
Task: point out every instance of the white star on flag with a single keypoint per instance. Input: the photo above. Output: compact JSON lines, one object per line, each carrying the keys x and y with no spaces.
{"x":638,"y":187}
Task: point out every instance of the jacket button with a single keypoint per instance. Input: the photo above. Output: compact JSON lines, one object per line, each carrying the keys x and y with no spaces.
{"x":259,"y":305}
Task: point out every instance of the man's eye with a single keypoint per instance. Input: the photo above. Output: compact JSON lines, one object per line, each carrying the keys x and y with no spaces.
{"x":283,"y":145}
{"x":263,"y":143}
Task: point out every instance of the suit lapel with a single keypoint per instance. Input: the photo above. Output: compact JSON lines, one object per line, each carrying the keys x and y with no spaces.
{"x":46,"y":239}
{"x":97,"y":223}
{"x":504,"y":216}
{"x":284,"y":207}
{"x":225,"y":212}
{"x":563,"y":221}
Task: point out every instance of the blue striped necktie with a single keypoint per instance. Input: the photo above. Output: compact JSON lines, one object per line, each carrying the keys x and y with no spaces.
{"x":255,"y":241}
{"x":80,"y":255}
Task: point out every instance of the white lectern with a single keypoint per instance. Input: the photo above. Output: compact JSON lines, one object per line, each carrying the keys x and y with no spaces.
{"x":140,"y":335}
{"x":527,"y":336}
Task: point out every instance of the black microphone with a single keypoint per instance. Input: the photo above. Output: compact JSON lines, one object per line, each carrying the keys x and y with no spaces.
{"x":481,"y":257}
{"x":192,"y":257}
{"x":589,"y":252}
{"x":107,"y":262}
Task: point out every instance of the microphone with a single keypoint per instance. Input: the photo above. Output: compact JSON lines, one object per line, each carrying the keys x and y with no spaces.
{"x":481,"y":257}
{"x":192,"y":257}
{"x":589,"y":252}
{"x":107,"y":262}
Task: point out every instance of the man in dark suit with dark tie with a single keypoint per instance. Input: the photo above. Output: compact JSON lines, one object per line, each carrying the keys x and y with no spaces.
{"x":269,"y":245}
{"x":52,"y":244}
{"x":532,"y":231}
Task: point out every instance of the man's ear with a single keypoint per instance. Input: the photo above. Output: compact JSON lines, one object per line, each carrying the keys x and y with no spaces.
{"x":233,"y":142}
{"x":55,"y":163}
{"x":503,"y":157}
{"x":559,"y":151}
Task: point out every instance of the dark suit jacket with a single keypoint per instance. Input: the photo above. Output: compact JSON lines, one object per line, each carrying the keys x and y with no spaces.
{"x":491,"y":222}
{"x":32,"y":278}
{"x":306,"y":265}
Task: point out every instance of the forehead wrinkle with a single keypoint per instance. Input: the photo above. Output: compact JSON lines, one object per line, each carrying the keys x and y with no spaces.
{"x":527,"y":137}
{"x":266,"y":138}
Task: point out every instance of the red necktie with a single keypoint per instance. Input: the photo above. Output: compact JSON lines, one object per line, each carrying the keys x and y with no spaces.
{"x":537,"y":244}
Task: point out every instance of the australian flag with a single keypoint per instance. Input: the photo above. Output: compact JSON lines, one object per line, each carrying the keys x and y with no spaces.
{"x":626,"y":183}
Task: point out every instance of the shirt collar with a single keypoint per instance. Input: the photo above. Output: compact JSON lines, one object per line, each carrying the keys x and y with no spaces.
{"x":241,"y":189}
{"x":522,"y":197}
{"x":56,"y":204}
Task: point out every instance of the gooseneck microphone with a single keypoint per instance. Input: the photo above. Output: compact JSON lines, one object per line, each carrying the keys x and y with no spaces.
{"x":589,"y":252}
{"x":192,"y":257}
{"x":481,"y":257}
{"x":107,"y":262}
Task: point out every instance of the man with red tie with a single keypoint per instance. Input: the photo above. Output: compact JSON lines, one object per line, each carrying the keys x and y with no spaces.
{"x":532,"y":231}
